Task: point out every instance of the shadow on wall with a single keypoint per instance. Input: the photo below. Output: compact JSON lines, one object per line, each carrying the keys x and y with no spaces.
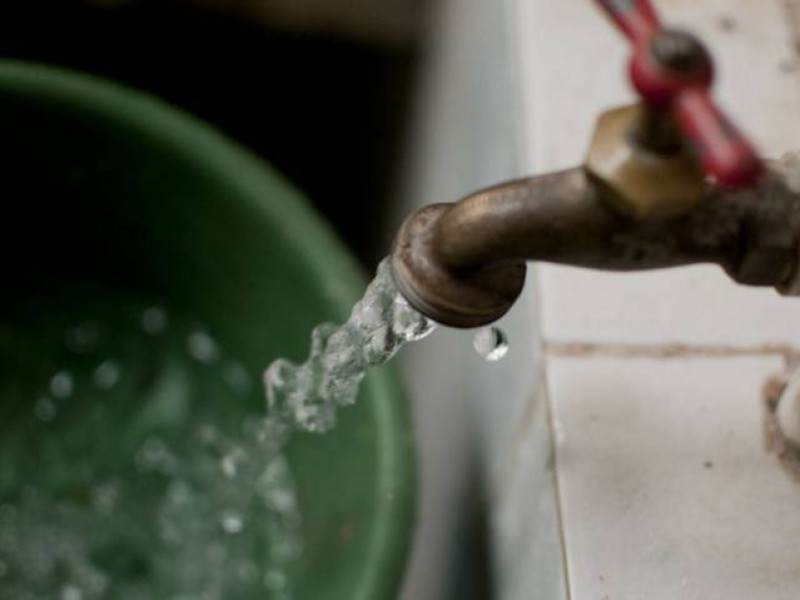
{"x":327,"y":108}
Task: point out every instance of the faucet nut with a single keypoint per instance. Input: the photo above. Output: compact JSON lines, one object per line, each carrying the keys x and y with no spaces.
{"x":640,"y":183}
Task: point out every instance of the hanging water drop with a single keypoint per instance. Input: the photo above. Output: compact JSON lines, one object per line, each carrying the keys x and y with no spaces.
{"x":491,"y":343}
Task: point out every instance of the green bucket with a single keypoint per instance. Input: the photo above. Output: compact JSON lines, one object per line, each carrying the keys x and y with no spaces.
{"x":115,"y":202}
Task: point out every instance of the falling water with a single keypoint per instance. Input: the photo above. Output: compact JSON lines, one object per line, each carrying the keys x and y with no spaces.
{"x":307,"y":395}
{"x":209,"y":511}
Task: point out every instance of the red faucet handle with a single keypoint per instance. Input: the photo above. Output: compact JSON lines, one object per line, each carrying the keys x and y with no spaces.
{"x":723,"y":152}
{"x":673,"y":71}
{"x":635,"y":18}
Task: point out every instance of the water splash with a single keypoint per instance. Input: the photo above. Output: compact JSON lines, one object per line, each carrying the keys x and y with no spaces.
{"x":207,"y":511}
{"x":210,"y":514}
{"x":308,"y":395}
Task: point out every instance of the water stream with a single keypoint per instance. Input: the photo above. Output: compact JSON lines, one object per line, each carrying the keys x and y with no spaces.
{"x":142,"y":483}
{"x":307,"y":395}
{"x":167,"y":495}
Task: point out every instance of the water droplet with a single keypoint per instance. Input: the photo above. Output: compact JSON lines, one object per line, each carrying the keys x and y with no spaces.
{"x":229,"y":464}
{"x":107,"y":374}
{"x":45,"y":409}
{"x":61,"y":385}
{"x":104,"y":496}
{"x":153,"y":320}
{"x":179,"y":494}
{"x":202,"y":347}
{"x":231,"y":521}
{"x":154,"y":455}
{"x":237,"y":377}
{"x":274,"y":580}
{"x":71,"y":592}
{"x":282,"y":500}
{"x":207,"y":434}
{"x":83,"y":338}
{"x":491,"y":343}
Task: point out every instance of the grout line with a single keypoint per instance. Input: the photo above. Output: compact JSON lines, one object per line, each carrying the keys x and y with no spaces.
{"x":667,"y":351}
{"x":790,"y":355}
{"x":554,"y":474}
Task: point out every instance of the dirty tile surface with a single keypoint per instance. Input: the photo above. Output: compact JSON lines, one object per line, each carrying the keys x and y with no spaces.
{"x":692,"y":305}
{"x":666,"y":488}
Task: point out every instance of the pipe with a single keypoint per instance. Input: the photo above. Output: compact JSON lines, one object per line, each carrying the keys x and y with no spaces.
{"x":463,"y":264}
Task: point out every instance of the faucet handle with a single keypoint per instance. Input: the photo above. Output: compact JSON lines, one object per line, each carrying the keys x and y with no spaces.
{"x":723,"y":151}
{"x":673,"y":71}
{"x":637,"y":19}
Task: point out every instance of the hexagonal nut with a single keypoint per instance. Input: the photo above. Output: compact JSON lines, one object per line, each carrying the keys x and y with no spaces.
{"x":641,"y":184}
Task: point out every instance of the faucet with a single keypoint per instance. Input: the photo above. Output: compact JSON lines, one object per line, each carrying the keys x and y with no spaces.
{"x":667,"y":182}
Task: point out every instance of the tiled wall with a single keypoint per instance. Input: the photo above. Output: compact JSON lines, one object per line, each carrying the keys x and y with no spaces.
{"x":665,"y":486}
{"x":622,"y":440}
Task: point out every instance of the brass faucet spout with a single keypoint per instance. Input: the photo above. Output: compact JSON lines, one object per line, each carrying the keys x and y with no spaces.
{"x":550,"y":217}
{"x":463,"y":264}
{"x":643,"y":200}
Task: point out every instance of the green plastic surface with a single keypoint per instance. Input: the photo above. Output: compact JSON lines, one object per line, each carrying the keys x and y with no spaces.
{"x":113,"y":195}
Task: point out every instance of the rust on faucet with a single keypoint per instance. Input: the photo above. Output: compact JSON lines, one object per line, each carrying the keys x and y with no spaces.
{"x":642,"y":201}
{"x":463,"y":264}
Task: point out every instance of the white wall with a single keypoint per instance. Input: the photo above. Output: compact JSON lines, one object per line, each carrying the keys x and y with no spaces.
{"x":466,"y":136}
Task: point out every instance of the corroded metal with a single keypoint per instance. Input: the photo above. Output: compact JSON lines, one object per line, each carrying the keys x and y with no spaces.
{"x":446,"y":293}
{"x":644,"y":199}
{"x":463,"y":264}
{"x":642,"y":166}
